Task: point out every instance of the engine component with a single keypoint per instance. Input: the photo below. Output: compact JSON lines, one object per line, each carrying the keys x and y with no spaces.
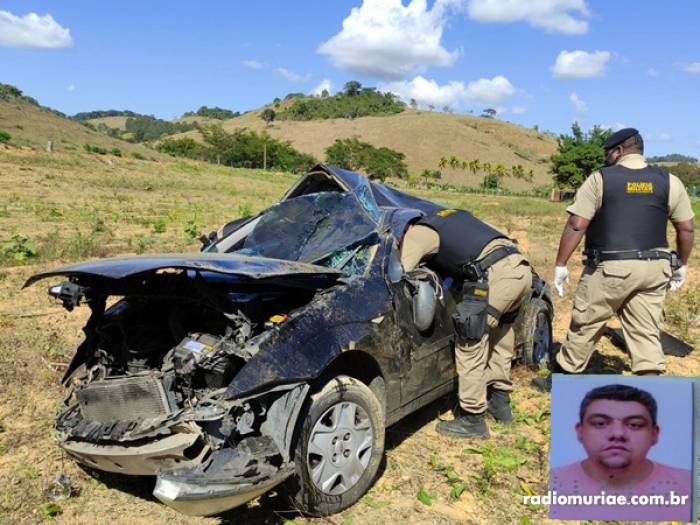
{"x":206,"y":360}
{"x":123,"y":399}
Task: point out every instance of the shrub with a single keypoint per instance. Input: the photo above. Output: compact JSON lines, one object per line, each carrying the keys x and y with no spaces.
{"x":138,"y":156}
{"x":490,"y":182}
{"x":4,"y":137}
{"x":95,"y":149}
{"x":18,"y":248}
{"x":159,"y":225}
{"x":184,"y":147}
{"x":116,"y":152}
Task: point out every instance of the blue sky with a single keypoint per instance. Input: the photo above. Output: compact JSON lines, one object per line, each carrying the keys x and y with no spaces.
{"x":540,"y":62}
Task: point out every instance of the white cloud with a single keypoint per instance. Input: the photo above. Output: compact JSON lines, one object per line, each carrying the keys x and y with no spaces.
{"x":428,"y":92}
{"x":291,"y":75}
{"x":325,"y":84}
{"x":70,"y":88}
{"x":615,"y":127}
{"x":693,"y":67}
{"x":252,"y":64}
{"x":33,"y":31}
{"x":580,"y":64}
{"x":388,"y":40}
{"x":579,"y":104}
{"x":518,"y":110}
{"x":665,"y":137}
{"x":652,"y":72}
{"x":562,"y":16}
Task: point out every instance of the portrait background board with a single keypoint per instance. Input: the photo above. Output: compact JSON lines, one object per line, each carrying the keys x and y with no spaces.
{"x":674,"y":398}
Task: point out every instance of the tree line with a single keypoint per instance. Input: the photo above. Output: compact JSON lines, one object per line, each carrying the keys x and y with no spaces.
{"x":89,"y":115}
{"x":142,"y":128}
{"x":494,"y":173}
{"x":215,"y":113}
{"x":353,"y":102}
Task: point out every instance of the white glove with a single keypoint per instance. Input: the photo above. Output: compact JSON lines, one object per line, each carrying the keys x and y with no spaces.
{"x":677,"y":279}
{"x":561,"y":277}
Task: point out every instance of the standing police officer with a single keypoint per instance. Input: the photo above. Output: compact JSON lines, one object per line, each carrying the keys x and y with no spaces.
{"x":498,"y":278}
{"x":623,"y":210}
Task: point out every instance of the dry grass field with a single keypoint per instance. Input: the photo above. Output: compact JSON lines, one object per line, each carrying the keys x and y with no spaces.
{"x":74,"y":206}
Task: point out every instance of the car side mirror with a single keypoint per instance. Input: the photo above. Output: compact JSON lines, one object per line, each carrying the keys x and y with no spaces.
{"x":424,"y":304}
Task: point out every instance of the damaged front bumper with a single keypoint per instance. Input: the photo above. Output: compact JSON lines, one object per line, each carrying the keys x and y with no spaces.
{"x":207,"y":500}
{"x":231,"y":478}
{"x":141,"y":460}
{"x":207,"y":459}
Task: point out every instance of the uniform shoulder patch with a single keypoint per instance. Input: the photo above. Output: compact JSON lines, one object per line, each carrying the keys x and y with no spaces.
{"x":640,"y":187}
{"x":445,"y":213}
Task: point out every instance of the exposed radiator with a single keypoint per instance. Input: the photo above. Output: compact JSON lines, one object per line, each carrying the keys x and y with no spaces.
{"x":123,"y":399}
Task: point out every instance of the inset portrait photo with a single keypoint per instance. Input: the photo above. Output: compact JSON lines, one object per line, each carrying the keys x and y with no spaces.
{"x":622,"y":448}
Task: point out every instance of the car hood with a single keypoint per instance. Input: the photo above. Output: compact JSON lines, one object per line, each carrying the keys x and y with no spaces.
{"x":242,"y":266}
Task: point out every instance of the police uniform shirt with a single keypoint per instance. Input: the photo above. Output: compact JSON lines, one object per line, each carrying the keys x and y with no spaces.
{"x":589,"y":197}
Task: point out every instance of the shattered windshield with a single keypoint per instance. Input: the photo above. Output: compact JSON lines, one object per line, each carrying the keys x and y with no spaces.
{"x":328,"y":226}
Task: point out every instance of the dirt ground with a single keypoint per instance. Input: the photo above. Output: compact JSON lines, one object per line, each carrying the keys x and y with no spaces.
{"x":93,"y":209}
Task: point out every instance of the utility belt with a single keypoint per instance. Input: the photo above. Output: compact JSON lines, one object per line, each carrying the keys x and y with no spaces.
{"x":471,"y":316}
{"x":594,"y":257}
{"x":477,"y":271}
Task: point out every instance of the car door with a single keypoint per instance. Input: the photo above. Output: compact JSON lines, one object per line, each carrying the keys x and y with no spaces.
{"x":429,"y":354}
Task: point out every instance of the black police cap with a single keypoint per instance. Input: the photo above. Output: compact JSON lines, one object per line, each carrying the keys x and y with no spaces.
{"x":619,"y":137}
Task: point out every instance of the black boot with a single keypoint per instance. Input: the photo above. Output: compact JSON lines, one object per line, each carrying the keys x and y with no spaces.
{"x":464,"y":425}
{"x":499,"y":406}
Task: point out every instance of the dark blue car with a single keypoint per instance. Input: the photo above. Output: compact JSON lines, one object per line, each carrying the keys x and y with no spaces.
{"x":280,"y":353}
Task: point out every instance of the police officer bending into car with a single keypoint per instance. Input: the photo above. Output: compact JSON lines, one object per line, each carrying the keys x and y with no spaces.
{"x":623,"y":210}
{"x":496,"y":281}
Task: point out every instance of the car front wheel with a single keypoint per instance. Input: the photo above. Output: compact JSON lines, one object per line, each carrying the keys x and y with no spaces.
{"x":339,"y":447}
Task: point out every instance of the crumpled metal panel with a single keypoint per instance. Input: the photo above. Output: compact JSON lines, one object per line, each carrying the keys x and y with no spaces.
{"x":301,"y":347}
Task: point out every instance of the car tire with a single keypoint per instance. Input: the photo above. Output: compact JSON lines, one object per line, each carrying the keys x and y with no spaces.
{"x":537,"y":331}
{"x":338,"y":448}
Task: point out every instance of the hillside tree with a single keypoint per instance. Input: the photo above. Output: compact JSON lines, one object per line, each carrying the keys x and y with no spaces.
{"x":352,"y":88}
{"x":578,"y":155}
{"x":268,"y":116}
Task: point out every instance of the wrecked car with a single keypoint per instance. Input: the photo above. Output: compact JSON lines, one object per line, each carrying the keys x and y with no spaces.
{"x":280,"y":353}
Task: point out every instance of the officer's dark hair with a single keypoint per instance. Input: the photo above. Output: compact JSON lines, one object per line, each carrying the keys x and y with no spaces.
{"x":634,"y":144}
{"x":620,"y":393}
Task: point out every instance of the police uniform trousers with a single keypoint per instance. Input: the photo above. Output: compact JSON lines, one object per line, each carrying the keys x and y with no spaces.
{"x":632,"y":289}
{"x":487,"y":362}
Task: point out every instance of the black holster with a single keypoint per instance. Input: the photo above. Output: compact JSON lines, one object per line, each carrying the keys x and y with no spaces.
{"x":471,"y":316}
